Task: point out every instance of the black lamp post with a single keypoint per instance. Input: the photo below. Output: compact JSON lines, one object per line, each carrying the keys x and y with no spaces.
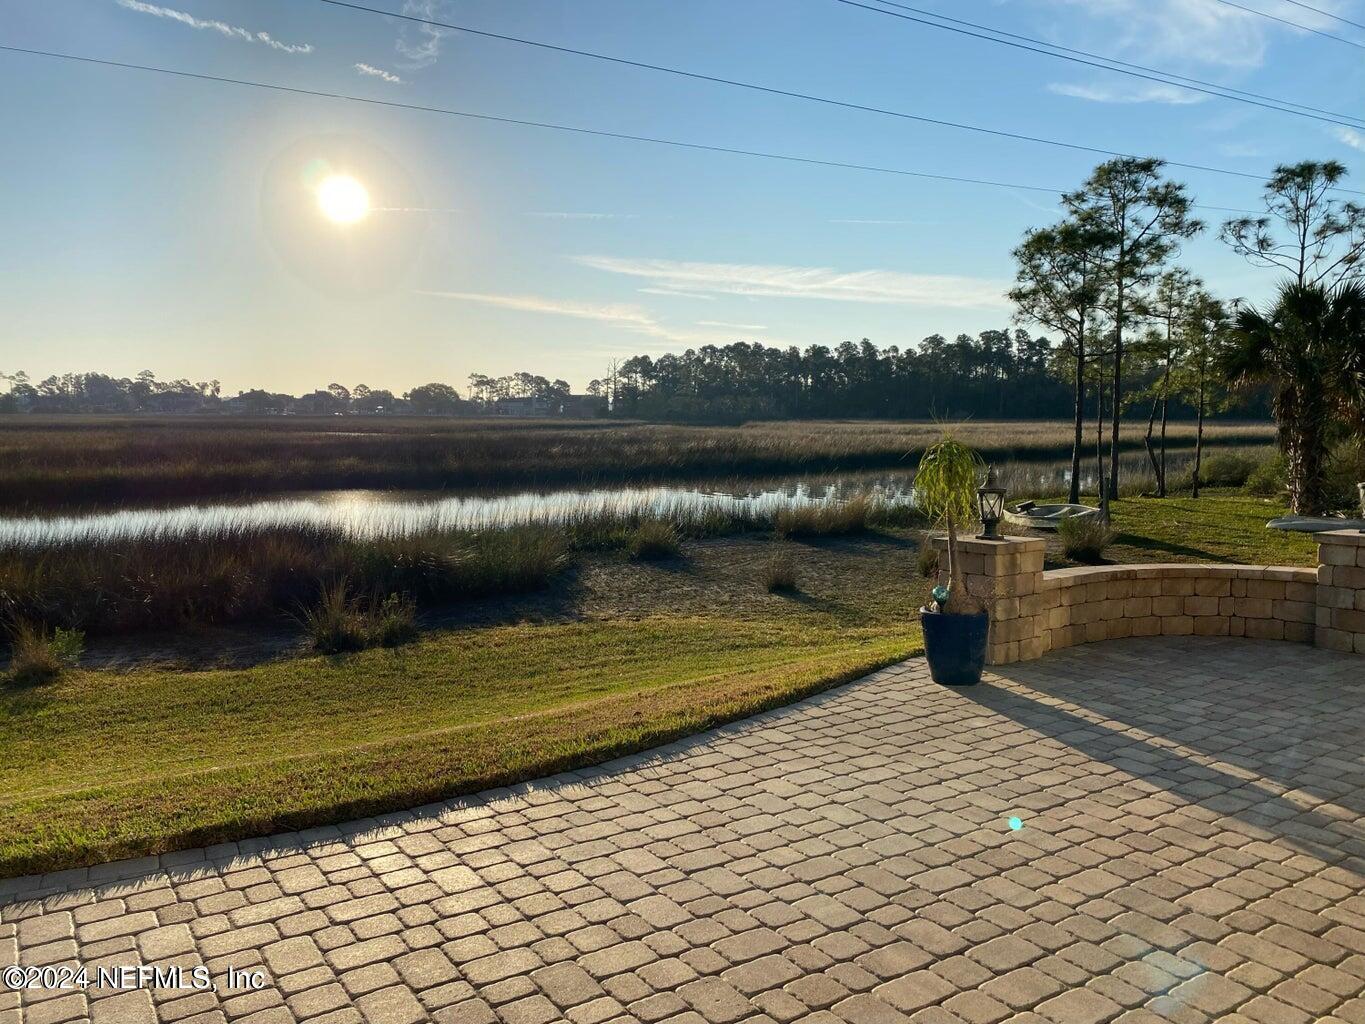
{"x":990,"y":504}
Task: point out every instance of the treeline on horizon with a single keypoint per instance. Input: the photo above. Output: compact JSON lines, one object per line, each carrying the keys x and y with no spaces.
{"x":998,"y":374}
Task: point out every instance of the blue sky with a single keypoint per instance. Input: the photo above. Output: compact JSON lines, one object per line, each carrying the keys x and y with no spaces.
{"x":152,"y":222}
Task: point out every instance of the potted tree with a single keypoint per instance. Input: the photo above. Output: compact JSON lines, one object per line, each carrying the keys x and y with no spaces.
{"x":956,"y":626}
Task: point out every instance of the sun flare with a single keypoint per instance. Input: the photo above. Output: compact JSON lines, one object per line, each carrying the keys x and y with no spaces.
{"x":342,"y":199}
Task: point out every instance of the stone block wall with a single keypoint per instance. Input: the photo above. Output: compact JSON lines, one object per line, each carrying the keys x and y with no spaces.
{"x":1033,"y":611}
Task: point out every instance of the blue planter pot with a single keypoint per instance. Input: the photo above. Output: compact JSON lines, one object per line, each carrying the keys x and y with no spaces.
{"x":955,"y":646}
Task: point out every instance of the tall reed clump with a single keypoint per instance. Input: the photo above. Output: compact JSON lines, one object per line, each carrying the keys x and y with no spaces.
{"x":827,"y":519}
{"x":654,"y":540}
{"x":38,"y":656}
{"x":1084,"y":537}
{"x":778,"y":574}
{"x":339,"y":622}
{"x":167,"y":582}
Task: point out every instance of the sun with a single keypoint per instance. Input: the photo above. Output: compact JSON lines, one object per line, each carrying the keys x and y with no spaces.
{"x":342,"y":199}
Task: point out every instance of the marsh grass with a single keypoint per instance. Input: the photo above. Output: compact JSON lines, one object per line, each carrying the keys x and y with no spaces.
{"x":339,"y":621}
{"x":54,"y":460}
{"x":654,"y":540}
{"x":828,"y":519}
{"x":38,"y":657}
{"x":1085,"y":537}
{"x":779,"y":574}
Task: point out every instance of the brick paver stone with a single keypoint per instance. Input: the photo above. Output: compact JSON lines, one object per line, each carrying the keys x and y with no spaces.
{"x":1192,"y":849}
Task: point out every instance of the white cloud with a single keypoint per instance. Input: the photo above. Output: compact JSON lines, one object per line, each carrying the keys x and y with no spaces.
{"x":737,"y":327}
{"x":221,"y":27}
{"x":421,"y":45}
{"x":1352,"y":138}
{"x":630,"y":318}
{"x":775,"y":281}
{"x":1124,"y":93}
{"x":859,"y":220}
{"x":380,"y":73}
{"x":676,"y":292}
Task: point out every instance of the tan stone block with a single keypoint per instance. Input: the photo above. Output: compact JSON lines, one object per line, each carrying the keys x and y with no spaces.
{"x":1360,"y":643}
{"x":1237,"y":626}
{"x":1265,"y":629}
{"x":1204,"y":606}
{"x":1177,"y":586}
{"x":1300,"y":592}
{"x":1031,"y":561}
{"x":1323,"y":617}
{"x":1177,"y":625}
{"x":1347,"y":576}
{"x":1212,"y":625}
{"x":1084,"y":614}
{"x":1005,"y":608}
{"x":1168,"y":604}
{"x":1253,"y":607}
{"x":1149,"y":625}
{"x":1137,"y":607}
{"x":1034,"y":647}
{"x":1004,"y":654}
{"x":1360,"y":556}
{"x":1058,"y":639}
{"x":1299,"y":632}
{"x":1119,"y":589}
{"x":1271,"y":589}
{"x":1348,"y":619}
{"x":1294,"y":611}
{"x":1226,"y":605}
{"x":1118,"y":629}
{"x":1024,"y":583}
{"x":1112,"y":609}
{"x":971,"y":563}
{"x":1336,"y":554}
{"x":1058,"y":617}
{"x":1213,"y":586}
{"x":1239,"y":588}
{"x":1335,"y":597}
{"x":1360,"y":600}
{"x":1095,"y":592}
{"x":1096,"y":631}
{"x":1325,"y":575}
{"x":1032,"y":604}
{"x":1333,"y":640}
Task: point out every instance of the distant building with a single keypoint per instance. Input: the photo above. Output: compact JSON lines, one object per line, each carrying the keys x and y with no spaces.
{"x":523,"y":407}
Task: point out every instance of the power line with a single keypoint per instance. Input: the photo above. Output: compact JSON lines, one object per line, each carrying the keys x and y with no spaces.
{"x":1326,"y":14}
{"x":547,"y":125}
{"x":788,"y":93}
{"x":1291,"y":24}
{"x":1175,"y":79}
{"x":1088,"y":63}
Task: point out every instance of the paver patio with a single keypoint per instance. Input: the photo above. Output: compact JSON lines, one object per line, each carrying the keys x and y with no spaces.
{"x":1192,"y":849}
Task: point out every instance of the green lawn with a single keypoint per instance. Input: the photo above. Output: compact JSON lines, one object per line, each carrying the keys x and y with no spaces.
{"x":104,"y":764}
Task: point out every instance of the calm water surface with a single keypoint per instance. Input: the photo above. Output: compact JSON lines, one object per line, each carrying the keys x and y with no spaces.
{"x":364,"y":513}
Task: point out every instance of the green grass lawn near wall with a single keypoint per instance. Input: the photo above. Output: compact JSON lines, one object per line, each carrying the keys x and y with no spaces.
{"x":104,"y":765}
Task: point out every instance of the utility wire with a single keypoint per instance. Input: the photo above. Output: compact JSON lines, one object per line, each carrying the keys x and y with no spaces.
{"x":1090,"y":63}
{"x":1326,"y":14}
{"x":1291,"y":24}
{"x":550,"y":126}
{"x":788,"y":93}
{"x":1176,"y":79}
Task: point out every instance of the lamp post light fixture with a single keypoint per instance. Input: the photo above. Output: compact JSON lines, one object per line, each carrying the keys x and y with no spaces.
{"x":990,"y":503}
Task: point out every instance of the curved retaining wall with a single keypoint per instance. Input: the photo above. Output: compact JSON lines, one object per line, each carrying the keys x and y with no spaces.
{"x":1033,"y":611}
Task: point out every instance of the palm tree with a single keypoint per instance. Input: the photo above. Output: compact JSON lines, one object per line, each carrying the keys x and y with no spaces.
{"x":1309,"y":349}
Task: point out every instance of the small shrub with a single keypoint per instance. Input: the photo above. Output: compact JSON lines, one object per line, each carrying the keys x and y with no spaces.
{"x":37,"y":657}
{"x":1344,"y":472}
{"x":652,"y":540}
{"x":1084,"y":537}
{"x":392,"y":621}
{"x":335,"y":624}
{"x":779,"y":574}
{"x":1268,"y":479}
{"x":1226,"y":469}
{"x":926,"y":561}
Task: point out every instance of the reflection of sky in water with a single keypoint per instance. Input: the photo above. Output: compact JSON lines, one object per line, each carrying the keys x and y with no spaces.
{"x":387,"y":513}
